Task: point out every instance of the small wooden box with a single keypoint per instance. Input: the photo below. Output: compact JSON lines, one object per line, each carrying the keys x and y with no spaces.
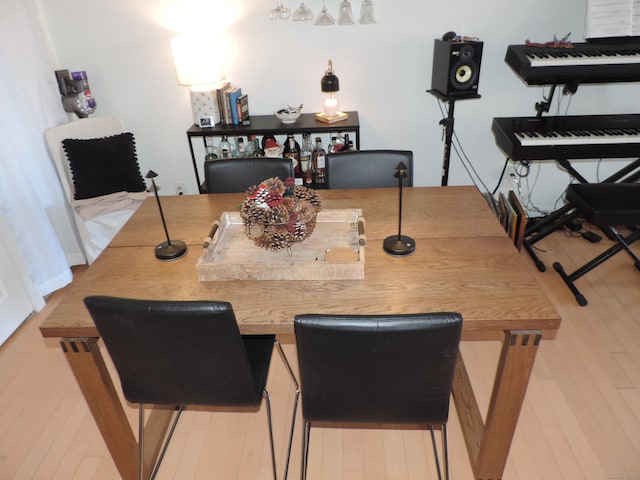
{"x":334,"y":251}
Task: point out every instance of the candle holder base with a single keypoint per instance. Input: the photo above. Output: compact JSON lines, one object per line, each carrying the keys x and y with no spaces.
{"x":399,"y":245}
{"x":170,"y":251}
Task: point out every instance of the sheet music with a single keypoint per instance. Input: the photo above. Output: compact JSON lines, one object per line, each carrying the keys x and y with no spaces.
{"x":612,"y":18}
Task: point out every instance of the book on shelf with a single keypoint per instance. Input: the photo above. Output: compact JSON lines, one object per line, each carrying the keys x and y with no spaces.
{"x":242,"y":106}
{"x":234,"y":94}
{"x":220,"y":98}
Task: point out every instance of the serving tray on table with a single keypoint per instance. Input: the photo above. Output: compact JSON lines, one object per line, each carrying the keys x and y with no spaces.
{"x":334,"y":251}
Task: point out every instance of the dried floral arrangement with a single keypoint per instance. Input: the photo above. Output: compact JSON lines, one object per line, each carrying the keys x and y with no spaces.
{"x":277,"y":214}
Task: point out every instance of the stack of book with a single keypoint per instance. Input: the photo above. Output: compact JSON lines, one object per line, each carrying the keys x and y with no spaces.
{"x":232,"y":105}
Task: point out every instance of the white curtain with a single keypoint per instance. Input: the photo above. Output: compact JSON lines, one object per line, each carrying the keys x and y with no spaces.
{"x":31,"y":198}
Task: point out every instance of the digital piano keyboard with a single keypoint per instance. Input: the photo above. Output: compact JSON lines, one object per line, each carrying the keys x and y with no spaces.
{"x":575,"y":63}
{"x":568,"y":137}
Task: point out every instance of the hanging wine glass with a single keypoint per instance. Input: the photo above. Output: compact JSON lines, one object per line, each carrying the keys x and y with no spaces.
{"x":345,"y":17}
{"x":367,"y":15}
{"x":280,"y":12}
{"x":324,"y":17}
{"x":302,"y":13}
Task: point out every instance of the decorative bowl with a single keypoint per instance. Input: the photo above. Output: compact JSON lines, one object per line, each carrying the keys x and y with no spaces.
{"x":289,"y":114}
{"x":277,"y":214}
{"x":287,"y":117}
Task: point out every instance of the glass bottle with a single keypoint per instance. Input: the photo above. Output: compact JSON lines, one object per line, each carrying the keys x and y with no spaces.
{"x":306,"y":160}
{"x":319,"y":163}
{"x":348,"y":144}
{"x":256,"y":148}
{"x":333,"y":147}
{"x":241,"y":152}
{"x":211,"y":149}
{"x":225,"y":150}
{"x":292,"y":151}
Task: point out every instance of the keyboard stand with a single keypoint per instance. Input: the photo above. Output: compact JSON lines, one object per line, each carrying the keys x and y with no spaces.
{"x":565,"y":214}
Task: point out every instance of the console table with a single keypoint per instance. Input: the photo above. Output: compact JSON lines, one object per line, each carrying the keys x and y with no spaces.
{"x":270,"y":125}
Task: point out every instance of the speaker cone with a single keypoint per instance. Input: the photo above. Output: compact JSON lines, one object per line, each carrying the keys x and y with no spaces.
{"x":463,"y":75}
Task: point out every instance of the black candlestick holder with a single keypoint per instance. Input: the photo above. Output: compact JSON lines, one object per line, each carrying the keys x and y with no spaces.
{"x":399,"y":245}
{"x":171,"y":249}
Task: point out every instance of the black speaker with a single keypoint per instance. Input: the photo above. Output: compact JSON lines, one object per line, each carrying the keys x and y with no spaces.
{"x":456,"y":68}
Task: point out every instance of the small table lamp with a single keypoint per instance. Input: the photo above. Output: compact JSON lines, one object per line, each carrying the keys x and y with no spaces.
{"x":331,"y":85}
{"x":196,"y":68}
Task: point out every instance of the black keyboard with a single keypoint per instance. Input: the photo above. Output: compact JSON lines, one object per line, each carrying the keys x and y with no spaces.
{"x":568,"y":137}
{"x":583,"y":63}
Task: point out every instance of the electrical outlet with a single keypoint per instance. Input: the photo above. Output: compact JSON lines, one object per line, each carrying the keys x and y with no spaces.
{"x":179,"y":188}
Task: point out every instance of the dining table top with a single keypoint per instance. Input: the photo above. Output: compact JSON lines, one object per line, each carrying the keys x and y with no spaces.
{"x":464,"y":262}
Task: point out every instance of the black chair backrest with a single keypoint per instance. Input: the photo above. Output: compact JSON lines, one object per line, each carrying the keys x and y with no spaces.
{"x":181,"y":352}
{"x":377,"y":368}
{"x":368,"y":168}
{"x":231,"y":175}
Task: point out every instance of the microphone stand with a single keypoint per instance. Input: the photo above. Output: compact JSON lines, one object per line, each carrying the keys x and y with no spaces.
{"x":171,"y":249}
{"x":399,"y":245}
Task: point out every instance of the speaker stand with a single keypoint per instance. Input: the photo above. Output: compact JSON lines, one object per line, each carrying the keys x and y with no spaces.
{"x":448,"y":129}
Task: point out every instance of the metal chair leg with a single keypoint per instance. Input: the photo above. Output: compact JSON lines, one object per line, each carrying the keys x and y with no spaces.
{"x":295,"y":406}
{"x":306,"y":435}
{"x":445,"y":451}
{"x":435,"y":452}
{"x":267,"y":400}
{"x":156,"y":467}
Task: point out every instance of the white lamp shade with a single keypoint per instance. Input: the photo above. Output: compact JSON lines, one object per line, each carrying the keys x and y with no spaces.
{"x":195,"y":61}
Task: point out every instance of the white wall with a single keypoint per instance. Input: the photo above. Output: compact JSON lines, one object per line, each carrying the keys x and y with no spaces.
{"x":384,"y":71}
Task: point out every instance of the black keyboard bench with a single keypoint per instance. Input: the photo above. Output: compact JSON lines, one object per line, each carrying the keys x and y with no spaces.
{"x":606,"y":205}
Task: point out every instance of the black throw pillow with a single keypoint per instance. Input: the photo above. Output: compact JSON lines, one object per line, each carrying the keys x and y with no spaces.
{"x":101,"y":166}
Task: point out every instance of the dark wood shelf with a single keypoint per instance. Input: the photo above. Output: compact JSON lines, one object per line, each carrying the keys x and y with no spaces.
{"x":270,"y":125}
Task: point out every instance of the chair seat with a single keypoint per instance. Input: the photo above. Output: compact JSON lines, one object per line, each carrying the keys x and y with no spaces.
{"x":607,"y":204}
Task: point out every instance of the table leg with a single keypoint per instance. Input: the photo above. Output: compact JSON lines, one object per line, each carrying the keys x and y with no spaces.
{"x":488,"y":444}
{"x":96,"y":385}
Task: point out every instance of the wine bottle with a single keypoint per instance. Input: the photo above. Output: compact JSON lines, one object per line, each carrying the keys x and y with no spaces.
{"x":319,"y":163}
{"x":306,"y":160}
{"x":292,"y":151}
{"x":256,"y":150}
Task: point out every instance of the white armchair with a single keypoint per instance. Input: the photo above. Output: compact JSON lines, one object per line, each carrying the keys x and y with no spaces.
{"x":98,"y":169}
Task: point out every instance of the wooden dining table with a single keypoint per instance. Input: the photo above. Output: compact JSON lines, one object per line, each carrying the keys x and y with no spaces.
{"x":463,"y":262}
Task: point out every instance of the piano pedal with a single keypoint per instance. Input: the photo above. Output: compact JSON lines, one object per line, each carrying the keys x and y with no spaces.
{"x":591,"y":237}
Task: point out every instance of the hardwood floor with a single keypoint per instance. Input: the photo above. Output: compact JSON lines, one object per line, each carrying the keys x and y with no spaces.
{"x":581,"y":418}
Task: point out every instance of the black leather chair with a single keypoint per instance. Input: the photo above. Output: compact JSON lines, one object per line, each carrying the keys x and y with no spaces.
{"x":231,"y":175}
{"x":181,"y":353}
{"x":368,"y":168}
{"x":377,"y":369}
{"x":606,"y":205}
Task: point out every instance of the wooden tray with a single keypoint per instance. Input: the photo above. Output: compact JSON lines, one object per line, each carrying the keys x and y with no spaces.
{"x":334,"y":251}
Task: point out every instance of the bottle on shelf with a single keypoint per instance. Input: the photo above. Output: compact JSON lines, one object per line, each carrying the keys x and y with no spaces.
{"x":256,"y":148}
{"x":225,"y":149}
{"x":292,"y":151}
{"x":348,"y":144}
{"x":241,"y":151}
{"x":333,"y":146}
{"x":306,"y":160}
{"x":319,"y":163}
{"x":211,"y":149}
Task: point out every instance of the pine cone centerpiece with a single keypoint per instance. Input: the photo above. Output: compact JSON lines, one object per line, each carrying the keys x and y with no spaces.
{"x":277,"y":214}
